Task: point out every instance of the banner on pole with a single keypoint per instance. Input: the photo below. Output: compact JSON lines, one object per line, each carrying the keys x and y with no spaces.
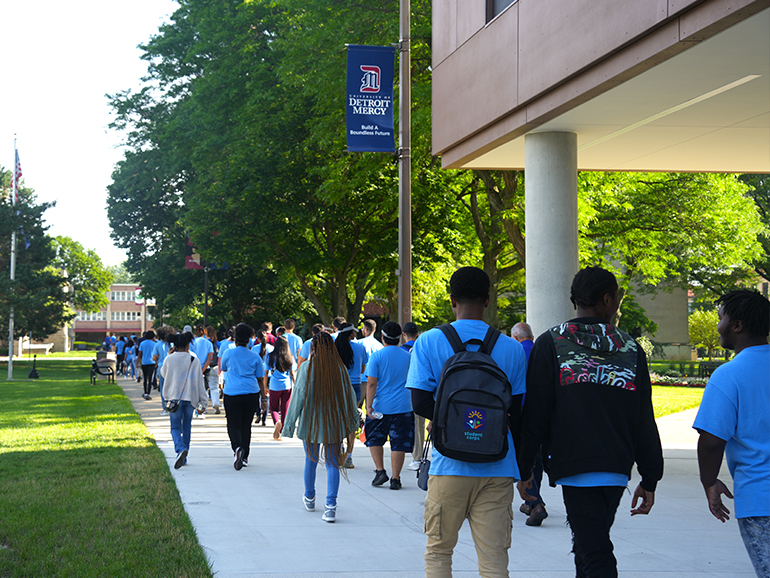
{"x":193,"y":260}
{"x":370,"y":99}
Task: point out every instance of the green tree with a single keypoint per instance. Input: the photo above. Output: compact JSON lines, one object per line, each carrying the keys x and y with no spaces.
{"x":703,"y":330}
{"x":760,"y":192}
{"x":89,"y":280}
{"x":677,"y":228}
{"x":37,"y":295}
{"x":120,"y":273}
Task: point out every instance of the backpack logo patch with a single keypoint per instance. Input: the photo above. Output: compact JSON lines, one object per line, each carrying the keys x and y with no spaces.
{"x":474,"y":421}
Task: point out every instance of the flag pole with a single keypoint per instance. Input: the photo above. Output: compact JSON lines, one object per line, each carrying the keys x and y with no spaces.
{"x":14,"y":194}
{"x":405,"y":168}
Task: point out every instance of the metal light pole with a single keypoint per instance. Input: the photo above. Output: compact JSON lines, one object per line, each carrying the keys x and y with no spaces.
{"x":405,"y":168}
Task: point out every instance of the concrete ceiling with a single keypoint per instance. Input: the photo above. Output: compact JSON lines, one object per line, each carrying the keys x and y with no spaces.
{"x":705,"y":110}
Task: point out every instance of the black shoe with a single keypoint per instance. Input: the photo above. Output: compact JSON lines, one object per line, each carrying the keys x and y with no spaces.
{"x":380,"y":477}
{"x":395,"y":483}
{"x":181,"y":457}
{"x":238,"y":461}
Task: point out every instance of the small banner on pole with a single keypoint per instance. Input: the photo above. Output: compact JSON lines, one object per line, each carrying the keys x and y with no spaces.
{"x":370,"y":99}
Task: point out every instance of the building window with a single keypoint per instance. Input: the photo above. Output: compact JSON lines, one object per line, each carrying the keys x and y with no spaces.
{"x":122,"y":295}
{"x":494,"y":7}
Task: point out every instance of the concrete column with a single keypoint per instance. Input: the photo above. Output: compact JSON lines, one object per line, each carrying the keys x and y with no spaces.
{"x":551,"y":221}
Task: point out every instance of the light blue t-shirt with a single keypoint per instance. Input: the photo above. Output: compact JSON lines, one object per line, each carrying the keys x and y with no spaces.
{"x":279,"y":380}
{"x":360,"y":359}
{"x":295,"y":343}
{"x":736,"y":408}
{"x":430,"y":352}
{"x":226,"y":344}
{"x":147,"y":347}
{"x":390,"y":366}
{"x":161,"y":350}
{"x":202,"y":347}
{"x":304,"y":351}
{"x":594,"y":480}
{"x":371,"y":345}
{"x":120,"y":346}
{"x":243,"y":367}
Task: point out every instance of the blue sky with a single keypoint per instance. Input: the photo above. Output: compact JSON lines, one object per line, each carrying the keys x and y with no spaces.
{"x":59,"y":60}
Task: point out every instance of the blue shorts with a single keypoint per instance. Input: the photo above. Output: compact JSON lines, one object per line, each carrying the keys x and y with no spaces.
{"x":400,"y":428}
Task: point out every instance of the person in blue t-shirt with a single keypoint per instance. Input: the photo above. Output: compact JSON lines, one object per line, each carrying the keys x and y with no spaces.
{"x":354,"y":357}
{"x":734,"y":420}
{"x":282,"y":367}
{"x":159,"y":354}
{"x":295,"y":341}
{"x":535,"y":508}
{"x":480,"y":492}
{"x":144,"y":356}
{"x":389,"y":406}
{"x":245,"y":380}
{"x":120,"y":354}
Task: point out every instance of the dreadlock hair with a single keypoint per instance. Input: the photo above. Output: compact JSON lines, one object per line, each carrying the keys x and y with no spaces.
{"x":280,"y":357}
{"x":330,"y":403}
{"x":200,"y":331}
{"x":469,"y":285}
{"x":391,"y":333}
{"x":262,"y":338}
{"x":343,"y":343}
{"x":243,"y":333}
{"x":749,"y":307}
{"x":590,"y":285}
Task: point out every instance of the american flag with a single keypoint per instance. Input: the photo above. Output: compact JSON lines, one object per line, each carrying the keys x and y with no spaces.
{"x":16,"y":177}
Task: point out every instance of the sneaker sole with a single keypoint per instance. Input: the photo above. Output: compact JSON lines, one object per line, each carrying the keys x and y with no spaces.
{"x":180,"y":460}
{"x":238,"y":464}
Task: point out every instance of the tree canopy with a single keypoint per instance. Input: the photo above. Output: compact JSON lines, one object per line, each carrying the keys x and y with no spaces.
{"x":236,"y":140}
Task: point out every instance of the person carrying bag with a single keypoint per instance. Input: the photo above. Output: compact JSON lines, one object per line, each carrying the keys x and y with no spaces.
{"x":185,"y":391}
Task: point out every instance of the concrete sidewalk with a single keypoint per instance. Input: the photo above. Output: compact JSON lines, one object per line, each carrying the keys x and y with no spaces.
{"x":252,"y":523}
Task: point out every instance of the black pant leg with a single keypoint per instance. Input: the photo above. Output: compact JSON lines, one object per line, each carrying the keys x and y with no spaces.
{"x":250,"y":404}
{"x":590,"y":514}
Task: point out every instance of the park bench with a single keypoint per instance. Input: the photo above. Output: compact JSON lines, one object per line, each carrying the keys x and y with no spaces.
{"x":38,"y":346}
{"x":708,"y":367}
{"x":106,"y":370}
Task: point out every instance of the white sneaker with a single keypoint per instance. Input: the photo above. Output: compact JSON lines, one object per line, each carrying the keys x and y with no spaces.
{"x":330,"y":514}
{"x":164,"y":412}
{"x":309,"y":503}
{"x":414,"y":466}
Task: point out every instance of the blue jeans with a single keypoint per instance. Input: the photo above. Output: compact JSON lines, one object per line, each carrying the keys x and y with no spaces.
{"x":756,"y":537}
{"x":181,"y":424}
{"x":332,"y":476}
{"x":161,"y":381}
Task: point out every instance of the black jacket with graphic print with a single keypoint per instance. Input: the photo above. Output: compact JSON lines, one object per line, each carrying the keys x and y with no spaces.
{"x":589,"y":403}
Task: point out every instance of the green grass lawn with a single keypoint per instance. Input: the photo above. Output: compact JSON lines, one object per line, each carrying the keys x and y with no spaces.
{"x":86,"y":492}
{"x":667,"y":399}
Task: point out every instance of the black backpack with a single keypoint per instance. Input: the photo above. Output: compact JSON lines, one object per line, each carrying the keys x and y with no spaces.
{"x":470,"y":420}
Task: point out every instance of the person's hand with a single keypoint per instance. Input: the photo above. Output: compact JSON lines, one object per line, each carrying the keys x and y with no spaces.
{"x":714,"y":497}
{"x":523,"y":486}
{"x":369,"y":409}
{"x":647,"y":498}
{"x":429,"y":427}
{"x":202,"y":410}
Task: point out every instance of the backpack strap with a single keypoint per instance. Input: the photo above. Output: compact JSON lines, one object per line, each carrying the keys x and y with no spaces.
{"x":452,"y":336}
{"x":490,"y":339}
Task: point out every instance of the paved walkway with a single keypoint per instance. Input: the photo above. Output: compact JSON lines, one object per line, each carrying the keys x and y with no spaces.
{"x":252,"y":523}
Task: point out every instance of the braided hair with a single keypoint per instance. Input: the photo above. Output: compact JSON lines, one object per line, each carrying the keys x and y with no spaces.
{"x":590,"y":285}
{"x":749,"y":307}
{"x":329,"y":401}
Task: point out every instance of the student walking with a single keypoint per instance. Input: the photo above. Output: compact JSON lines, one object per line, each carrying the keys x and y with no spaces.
{"x":245,"y":380}
{"x":182,"y":381}
{"x":323,"y":410}
{"x":354,"y":358}
{"x":282,"y":366}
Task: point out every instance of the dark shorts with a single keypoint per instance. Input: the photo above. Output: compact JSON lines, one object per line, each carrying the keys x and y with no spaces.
{"x":357,"y":389}
{"x":400,"y":428}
